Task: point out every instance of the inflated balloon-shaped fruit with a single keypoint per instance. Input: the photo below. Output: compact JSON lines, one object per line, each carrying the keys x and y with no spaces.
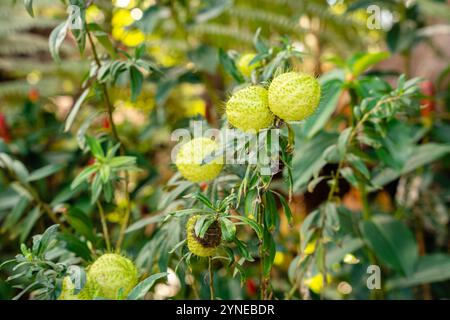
{"x":190,"y":158}
{"x":248,"y":109}
{"x":206,"y":246}
{"x":294,"y":96}
{"x":111,"y":273}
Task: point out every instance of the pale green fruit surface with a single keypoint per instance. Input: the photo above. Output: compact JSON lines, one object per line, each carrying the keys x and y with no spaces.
{"x":248,"y":109}
{"x":110,"y":273}
{"x":193,"y":243}
{"x":294,"y":96}
{"x":190,"y":156}
{"x":68,"y":291}
{"x":244,"y":65}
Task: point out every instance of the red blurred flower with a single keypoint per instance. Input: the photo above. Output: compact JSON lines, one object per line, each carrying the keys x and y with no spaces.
{"x":203,"y":186}
{"x":33,"y":95}
{"x":105,"y":123}
{"x":427,"y":89}
{"x":4,"y":131}
{"x":252,"y":289}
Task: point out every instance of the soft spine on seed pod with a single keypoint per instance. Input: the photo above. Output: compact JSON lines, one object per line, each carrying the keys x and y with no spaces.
{"x":248,"y":109}
{"x":206,"y":246}
{"x":294,"y":96}
{"x":190,"y":157}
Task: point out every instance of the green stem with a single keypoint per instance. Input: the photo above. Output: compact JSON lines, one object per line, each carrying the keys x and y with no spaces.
{"x":261,"y":255}
{"x":365,"y":201}
{"x":124,"y":224}
{"x":211,"y":279}
{"x":104,"y":226}
{"x":110,"y":110}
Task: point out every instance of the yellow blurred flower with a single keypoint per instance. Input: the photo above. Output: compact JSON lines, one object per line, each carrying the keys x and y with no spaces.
{"x":279,"y":258}
{"x":145,"y":102}
{"x":194,"y":107}
{"x":133,"y":38}
{"x":121,"y":22}
{"x":115,"y":217}
{"x":338,"y":8}
{"x":118,"y":215}
{"x":310,"y":247}
{"x":94,"y":14}
{"x":315,"y":283}
{"x":350,"y":259}
{"x":186,"y":101}
{"x":122,"y":18}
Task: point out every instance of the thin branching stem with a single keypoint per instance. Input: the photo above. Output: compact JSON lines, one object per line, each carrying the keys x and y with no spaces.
{"x":211,"y":279}
{"x":110,"y":110}
{"x":104,"y":226}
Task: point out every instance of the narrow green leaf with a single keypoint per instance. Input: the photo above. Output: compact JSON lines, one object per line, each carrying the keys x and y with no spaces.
{"x":229,"y":66}
{"x":392,"y":242}
{"x":136,"y":80}
{"x":366,"y":60}
{"x":331,"y":91}
{"x":16,"y":213}
{"x":74,"y":110}
{"x":29,"y":223}
{"x":144,"y":222}
{"x":343,"y":141}
{"x":29,"y":6}
{"x":95,"y":147}
{"x":430,"y":268}
{"x":144,"y":286}
{"x":228,"y":229}
{"x":286,"y":208}
{"x":84,"y":175}
{"x":56,"y":39}
{"x":44,"y":172}
{"x":251,"y":223}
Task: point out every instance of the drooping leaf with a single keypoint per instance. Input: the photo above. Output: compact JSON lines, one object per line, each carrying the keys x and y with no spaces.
{"x":229,"y":66}
{"x":95,"y":147}
{"x":228,"y":229}
{"x":309,"y":157}
{"x":140,"y":290}
{"x":44,"y":172}
{"x":213,"y":9}
{"x":74,"y":111}
{"x":366,"y":60}
{"x":422,"y":155}
{"x":29,"y":6}
{"x":29,"y":223}
{"x":430,"y":268}
{"x":331,"y":91}
{"x":136,"y":79}
{"x":56,"y":39}
{"x":392,"y":242}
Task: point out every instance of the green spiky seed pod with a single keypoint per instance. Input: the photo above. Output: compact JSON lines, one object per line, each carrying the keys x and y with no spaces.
{"x":248,"y":109}
{"x":68,"y":291}
{"x":294,"y":96}
{"x":206,"y":246}
{"x":190,"y":156}
{"x":244,"y":65}
{"x":112,"y":272}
